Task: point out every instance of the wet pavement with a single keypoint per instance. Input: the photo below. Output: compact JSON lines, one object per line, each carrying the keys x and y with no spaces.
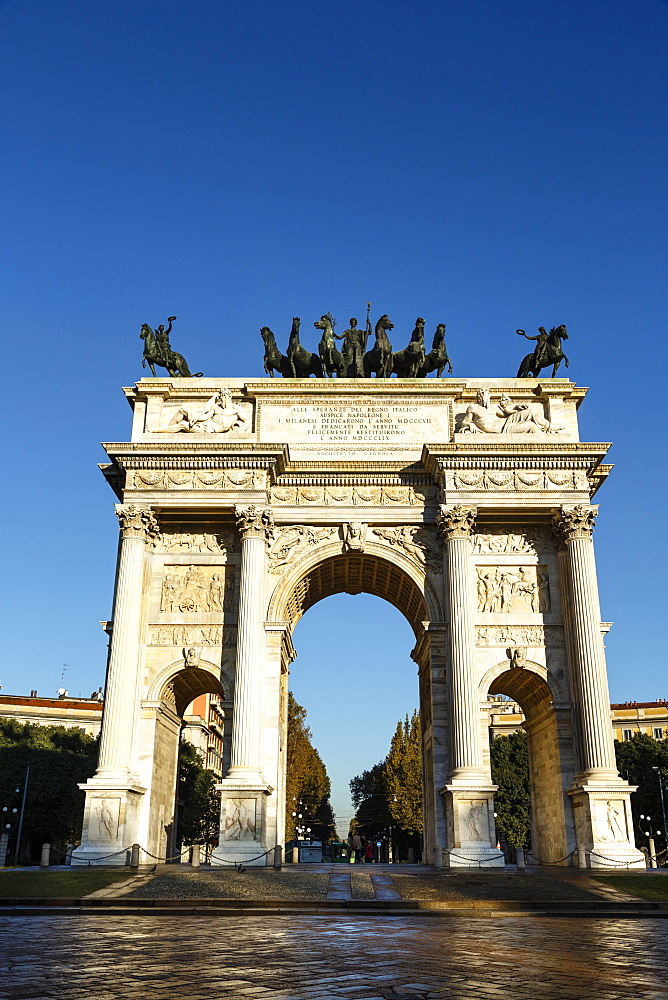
{"x":322,"y":958}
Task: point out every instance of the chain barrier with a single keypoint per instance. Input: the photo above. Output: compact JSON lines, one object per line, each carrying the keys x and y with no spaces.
{"x":239,"y":865}
{"x":548,"y":864}
{"x":612,"y":861}
{"x":480,"y":861}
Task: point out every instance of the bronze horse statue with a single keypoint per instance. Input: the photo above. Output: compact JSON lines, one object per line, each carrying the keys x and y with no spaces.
{"x":273,"y":359}
{"x":407,"y":363}
{"x":158,"y":351}
{"x":332,"y":360}
{"x":437,"y":359}
{"x":548,"y":352}
{"x":379,"y":358}
{"x":302,"y":362}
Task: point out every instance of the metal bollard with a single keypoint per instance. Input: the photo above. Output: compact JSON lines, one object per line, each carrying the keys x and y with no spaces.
{"x":134,"y":856}
{"x":295,"y":855}
{"x":582,"y":857}
{"x":521,"y":863}
{"x":278,"y":857}
{"x":194,"y":859}
{"x":45,"y":856}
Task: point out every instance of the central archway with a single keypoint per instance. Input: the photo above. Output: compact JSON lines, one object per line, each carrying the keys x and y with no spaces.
{"x":406,"y":585}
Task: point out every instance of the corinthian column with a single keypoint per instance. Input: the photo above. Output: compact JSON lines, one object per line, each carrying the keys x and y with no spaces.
{"x":255,"y":528}
{"x":121,"y":702}
{"x":574,"y":526}
{"x":456,"y":526}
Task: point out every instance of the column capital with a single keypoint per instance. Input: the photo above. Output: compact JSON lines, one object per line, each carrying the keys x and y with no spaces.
{"x":575,"y":522}
{"x":137,"y":521}
{"x":254,"y":522}
{"x":456,"y":522}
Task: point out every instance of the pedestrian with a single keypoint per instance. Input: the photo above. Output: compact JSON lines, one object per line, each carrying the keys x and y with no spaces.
{"x":368,"y":853}
{"x":356,"y":845}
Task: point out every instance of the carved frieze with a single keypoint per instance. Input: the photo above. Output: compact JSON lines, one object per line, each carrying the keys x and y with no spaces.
{"x":293,"y":538}
{"x":189,"y":589}
{"x":520,"y":635}
{"x":353,"y":496}
{"x":419,"y":543}
{"x":191,"y":635}
{"x":191,"y":656}
{"x":219,"y":542}
{"x":219,"y":415}
{"x":513,"y":589}
{"x":517,"y":479}
{"x":500,"y":541}
{"x":198,"y":479}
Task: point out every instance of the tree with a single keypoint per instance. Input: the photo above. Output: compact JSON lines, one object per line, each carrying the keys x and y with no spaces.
{"x":403,"y":775}
{"x":509,"y":756}
{"x":59,"y":759}
{"x":307,"y":782}
{"x":199,"y":803}
{"x":636,"y":760}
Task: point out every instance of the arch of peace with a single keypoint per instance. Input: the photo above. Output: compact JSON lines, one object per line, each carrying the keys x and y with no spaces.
{"x":466,"y":503}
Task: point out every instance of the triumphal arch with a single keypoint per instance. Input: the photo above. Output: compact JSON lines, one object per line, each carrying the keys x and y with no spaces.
{"x":466,"y":503}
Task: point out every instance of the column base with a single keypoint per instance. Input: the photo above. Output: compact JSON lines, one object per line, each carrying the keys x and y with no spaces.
{"x":603,"y":823}
{"x":242,"y":823}
{"x":111,"y":821}
{"x":469,"y":813}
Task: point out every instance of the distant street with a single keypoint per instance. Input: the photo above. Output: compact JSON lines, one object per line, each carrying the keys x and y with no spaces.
{"x":316,"y":958}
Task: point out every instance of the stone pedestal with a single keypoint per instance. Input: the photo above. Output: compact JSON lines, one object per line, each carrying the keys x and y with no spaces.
{"x":603,"y":824}
{"x":113,"y":795}
{"x":242,"y":823}
{"x":470,"y":826}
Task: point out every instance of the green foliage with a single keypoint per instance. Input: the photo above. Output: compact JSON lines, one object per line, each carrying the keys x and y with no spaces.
{"x":59,"y":759}
{"x":306,"y":779}
{"x":390,"y":794}
{"x":635,"y":759}
{"x":510,"y":771}
{"x":403,"y":775}
{"x":199,"y":803}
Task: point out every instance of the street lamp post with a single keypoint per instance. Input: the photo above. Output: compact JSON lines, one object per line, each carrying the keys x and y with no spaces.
{"x":663,"y":805}
{"x":9,"y":816}
{"x":650,"y":838}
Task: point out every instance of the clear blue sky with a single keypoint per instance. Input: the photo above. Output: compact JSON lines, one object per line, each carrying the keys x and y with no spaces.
{"x":490,"y":164}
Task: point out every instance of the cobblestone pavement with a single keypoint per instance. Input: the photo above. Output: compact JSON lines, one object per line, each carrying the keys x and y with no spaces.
{"x":371,"y":882}
{"x":324,"y":958}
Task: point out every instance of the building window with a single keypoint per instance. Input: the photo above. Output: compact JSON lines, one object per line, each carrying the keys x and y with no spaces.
{"x":627,"y":734}
{"x":658,"y":733}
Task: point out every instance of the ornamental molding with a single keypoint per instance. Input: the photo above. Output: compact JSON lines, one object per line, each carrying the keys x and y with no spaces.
{"x":517,"y":479}
{"x":137,"y":521}
{"x":492,"y":540}
{"x":353,"y":495}
{"x":456,"y":522}
{"x":202,"y":479}
{"x":575,"y":522}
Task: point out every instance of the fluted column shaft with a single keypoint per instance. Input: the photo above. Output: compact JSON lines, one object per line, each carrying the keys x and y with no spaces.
{"x":246,"y":762}
{"x":456,"y":525}
{"x":121,"y":696}
{"x":575,"y":526}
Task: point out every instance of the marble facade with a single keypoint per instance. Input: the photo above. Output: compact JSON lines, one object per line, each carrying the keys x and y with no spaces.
{"x":242,"y":503}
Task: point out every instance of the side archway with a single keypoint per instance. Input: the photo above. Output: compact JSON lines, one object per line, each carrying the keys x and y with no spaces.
{"x":551,"y":754}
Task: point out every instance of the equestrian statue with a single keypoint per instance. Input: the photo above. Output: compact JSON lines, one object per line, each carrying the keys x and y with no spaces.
{"x":437,"y":359}
{"x":158,"y":351}
{"x":302,"y":362}
{"x":332,"y":360}
{"x":379,"y":359}
{"x":407,"y":363}
{"x":547,"y":352}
